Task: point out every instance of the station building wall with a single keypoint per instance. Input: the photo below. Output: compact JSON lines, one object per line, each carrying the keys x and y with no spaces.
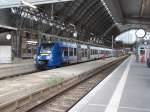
{"x":5,"y":49}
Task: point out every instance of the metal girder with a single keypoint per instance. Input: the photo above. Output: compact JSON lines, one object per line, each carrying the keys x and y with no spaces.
{"x":16,"y":3}
{"x":41,"y":18}
{"x":99,"y":16}
{"x":99,"y":21}
{"x":138,"y":20}
{"x":109,"y":29}
{"x":116,"y":9}
{"x":86,"y":19}
{"x":86,"y":9}
{"x":104,"y":26}
{"x":85,"y":14}
{"x":71,"y":9}
{"x":8,"y":27}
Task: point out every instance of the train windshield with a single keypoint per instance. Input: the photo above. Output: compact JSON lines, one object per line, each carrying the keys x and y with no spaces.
{"x":46,"y":48}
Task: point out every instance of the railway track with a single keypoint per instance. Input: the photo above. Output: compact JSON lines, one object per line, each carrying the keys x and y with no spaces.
{"x":65,"y":100}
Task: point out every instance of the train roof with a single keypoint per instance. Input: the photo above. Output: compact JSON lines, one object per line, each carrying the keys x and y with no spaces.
{"x":68,"y":44}
{"x":83,"y":46}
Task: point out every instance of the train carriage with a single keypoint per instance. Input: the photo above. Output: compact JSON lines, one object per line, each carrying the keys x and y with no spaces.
{"x":57,"y":53}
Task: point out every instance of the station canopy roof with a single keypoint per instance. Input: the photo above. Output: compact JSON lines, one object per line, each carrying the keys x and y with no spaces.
{"x":130,"y":13}
{"x":100,"y":18}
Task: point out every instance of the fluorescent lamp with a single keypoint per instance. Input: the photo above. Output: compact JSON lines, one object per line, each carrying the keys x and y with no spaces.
{"x":32,"y":42}
{"x":28,"y":4}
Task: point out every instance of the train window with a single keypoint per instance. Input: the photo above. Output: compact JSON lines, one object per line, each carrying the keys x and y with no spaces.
{"x":71,"y":51}
{"x":75,"y":51}
{"x":82,"y":52}
{"x":66,"y":50}
{"x":94,"y":52}
{"x":46,"y":48}
{"x":86,"y":52}
{"x":91,"y":51}
{"x":99,"y":51}
{"x":102,"y":52}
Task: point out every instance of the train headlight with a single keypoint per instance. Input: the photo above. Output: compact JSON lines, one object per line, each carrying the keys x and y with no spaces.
{"x":38,"y":57}
{"x":47,"y":57}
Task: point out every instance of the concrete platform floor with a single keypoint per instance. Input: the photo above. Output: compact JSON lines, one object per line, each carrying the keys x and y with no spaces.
{"x":127,"y":89}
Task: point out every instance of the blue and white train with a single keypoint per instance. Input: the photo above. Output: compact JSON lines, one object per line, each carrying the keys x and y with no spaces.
{"x":54,"y":54}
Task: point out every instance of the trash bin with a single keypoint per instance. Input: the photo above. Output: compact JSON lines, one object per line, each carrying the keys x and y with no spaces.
{"x":148,"y":62}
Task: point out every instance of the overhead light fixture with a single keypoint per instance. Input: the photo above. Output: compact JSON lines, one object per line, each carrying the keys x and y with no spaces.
{"x":32,"y":42}
{"x":51,"y":24}
{"x":75,"y":34}
{"x":28,"y":4}
{"x":62,"y":28}
{"x":92,"y":34}
{"x":57,"y":26}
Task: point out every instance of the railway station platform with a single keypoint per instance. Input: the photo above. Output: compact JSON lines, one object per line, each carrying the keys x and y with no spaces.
{"x":18,"y":67}
{"x":126,"y":89}
{"x":24,"y":92}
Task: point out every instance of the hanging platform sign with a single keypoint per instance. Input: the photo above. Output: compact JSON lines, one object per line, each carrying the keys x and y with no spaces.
{"x":17,"y":3}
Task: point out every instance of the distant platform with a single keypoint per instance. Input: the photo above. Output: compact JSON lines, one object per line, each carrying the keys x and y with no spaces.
{"x":16,"y":62}
{"x":127,"y":89}
{"x":18,"y":67}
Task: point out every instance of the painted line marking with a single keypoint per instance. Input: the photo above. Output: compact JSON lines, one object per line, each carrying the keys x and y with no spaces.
{"x":114,"y":102}
{"x":136,"y":109}
{"x":128,"y":108}
{"x":81,"y":104}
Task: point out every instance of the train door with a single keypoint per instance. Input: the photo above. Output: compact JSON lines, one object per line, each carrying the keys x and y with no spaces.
{"x":75,"y":54}
{"x":71,"y":54}
{"x":79,"y":54}
{"x":88,"y":52}
{"x":66,"y":54}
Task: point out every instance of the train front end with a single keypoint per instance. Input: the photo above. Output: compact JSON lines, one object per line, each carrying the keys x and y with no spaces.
{"x":44,"y":56}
